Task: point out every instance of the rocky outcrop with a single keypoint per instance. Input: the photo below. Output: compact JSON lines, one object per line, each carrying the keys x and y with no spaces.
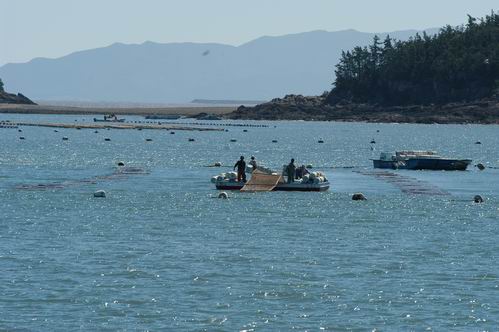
{"x":296,"y":107}
{"x":10,"y":98}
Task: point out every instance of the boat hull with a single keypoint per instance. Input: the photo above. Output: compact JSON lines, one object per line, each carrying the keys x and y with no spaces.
{"x":100,"y":120}
{"x":324,"y":186}
{"x":435,"y":164}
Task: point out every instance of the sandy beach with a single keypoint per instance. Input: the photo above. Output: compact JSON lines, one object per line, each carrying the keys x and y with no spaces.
{"x":51,"y":109}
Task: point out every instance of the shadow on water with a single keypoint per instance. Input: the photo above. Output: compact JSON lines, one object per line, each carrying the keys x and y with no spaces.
{"x":121,"y":173}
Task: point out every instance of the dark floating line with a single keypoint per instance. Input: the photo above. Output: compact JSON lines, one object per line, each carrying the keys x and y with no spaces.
{"x":407,"y":184}
{"x":120,"y":174}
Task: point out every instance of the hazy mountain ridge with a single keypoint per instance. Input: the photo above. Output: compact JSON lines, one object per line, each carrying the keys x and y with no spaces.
{"x":261,"y":69}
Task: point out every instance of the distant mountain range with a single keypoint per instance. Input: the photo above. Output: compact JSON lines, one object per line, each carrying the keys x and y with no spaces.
{"x":262,"y":69}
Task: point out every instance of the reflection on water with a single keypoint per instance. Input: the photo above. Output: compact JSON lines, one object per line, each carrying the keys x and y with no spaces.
{"x":159,"y":253}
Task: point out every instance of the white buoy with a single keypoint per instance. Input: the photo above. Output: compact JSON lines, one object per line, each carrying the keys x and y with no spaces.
{"x":223,"y":195}
{"x":100,"y":194}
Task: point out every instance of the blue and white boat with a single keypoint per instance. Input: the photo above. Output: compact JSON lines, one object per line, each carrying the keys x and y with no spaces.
{"x":420,"y":160}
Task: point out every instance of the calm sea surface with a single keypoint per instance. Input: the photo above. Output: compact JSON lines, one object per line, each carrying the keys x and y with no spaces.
{"x":162,"y":253}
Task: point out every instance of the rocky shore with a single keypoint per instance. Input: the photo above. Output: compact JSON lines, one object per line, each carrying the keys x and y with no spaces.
{"x":10,"y":98}
{"x":314,"y":108}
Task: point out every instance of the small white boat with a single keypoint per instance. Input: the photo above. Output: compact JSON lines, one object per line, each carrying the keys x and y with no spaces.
{"x":109,"y":118}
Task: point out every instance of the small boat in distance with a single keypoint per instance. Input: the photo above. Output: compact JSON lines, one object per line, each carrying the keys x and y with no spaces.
{"x":420,"y":160}
{"x":109,"y":118}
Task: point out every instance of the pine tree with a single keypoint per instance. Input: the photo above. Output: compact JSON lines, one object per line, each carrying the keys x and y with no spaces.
{"x":457,"y":64}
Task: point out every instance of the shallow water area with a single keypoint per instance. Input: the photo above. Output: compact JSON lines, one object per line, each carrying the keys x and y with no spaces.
{"x":161,"y":252}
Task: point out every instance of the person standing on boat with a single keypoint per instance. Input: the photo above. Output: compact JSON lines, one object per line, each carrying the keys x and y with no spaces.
{"x":241,"y":169}
{"x":253,"y":164}
{"x":291,"y":171}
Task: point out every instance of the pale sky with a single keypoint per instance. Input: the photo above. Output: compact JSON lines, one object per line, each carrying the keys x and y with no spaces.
{"x":53,"y":28}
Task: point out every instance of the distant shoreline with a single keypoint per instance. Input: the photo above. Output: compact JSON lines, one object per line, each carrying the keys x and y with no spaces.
{"x":484,"y":112}
{"x":141,"y":111}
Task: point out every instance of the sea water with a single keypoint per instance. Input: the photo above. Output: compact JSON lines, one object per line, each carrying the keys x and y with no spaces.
{"x":161,"y":252}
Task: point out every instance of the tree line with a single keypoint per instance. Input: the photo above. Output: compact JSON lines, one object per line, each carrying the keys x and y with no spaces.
{"x":457,"y":64}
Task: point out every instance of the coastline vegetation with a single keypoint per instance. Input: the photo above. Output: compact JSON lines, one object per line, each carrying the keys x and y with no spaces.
{"x":458,"y":64}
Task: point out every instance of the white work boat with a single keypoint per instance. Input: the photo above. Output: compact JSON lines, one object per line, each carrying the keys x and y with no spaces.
{"x":265,"y":181}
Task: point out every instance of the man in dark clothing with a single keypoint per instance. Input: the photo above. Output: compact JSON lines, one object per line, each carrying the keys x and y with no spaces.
{"x":241,"y":170}
{"x":291,"y":171}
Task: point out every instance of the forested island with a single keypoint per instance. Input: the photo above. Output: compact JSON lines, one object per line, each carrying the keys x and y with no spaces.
{"x":449,"y":77}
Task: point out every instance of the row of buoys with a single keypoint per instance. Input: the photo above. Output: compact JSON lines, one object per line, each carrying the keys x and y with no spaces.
{"x":360,"y":197}
{"x":355,"y":197}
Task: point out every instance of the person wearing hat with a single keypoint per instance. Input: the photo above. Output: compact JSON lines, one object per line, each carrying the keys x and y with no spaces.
{"x":253,"y":164}
{"x":241,"y":169}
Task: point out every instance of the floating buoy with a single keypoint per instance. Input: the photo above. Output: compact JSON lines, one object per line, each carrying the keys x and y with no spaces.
{"x":226,"y":130}
{"x":148,"y":139}
{"x":107,"y":139}
{"x":20,"y":130}
{"x":22,"y":137}
{"x":100,"y":194}
{"x":139,"y":128}
{"x":65,"y":138}
{"x":320,"y":141}
{"x":233,"y":140}
{"x":478,"y":142}
{"x":217,"y":164}
{"x":274,"y":141}
{"x":377,"y":131}
{"x":78,"y":128}
{"x":480,"y":167}
{"x":478,"y":199}
{"x":373,"y":142}
{"x":172,"y":133}
{"x":359,"y":197}
{"x":96,"y":132}
{"x":191,"y":139}
{"x":223,"y":195}
{"x":245,"y":130}
{"x":120,"y":164}
{"x":56,"y":131}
